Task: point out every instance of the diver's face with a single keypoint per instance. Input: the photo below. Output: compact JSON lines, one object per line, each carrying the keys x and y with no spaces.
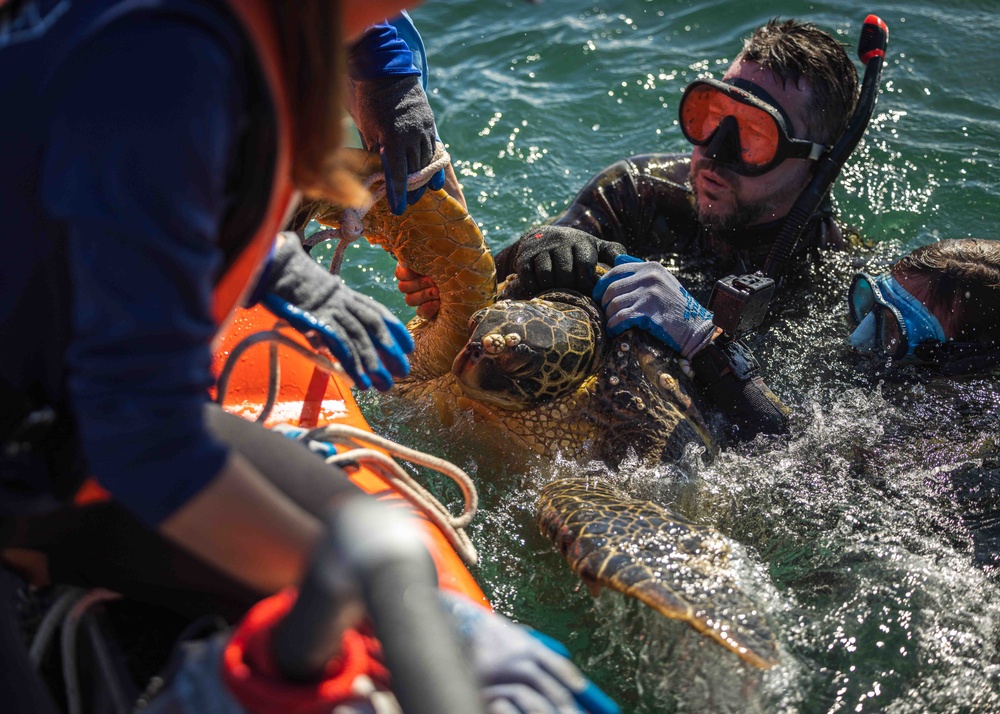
{"x":892,"y":314}
{"x":726,"y":200}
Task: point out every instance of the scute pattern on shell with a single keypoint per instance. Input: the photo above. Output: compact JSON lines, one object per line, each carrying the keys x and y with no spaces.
{"x":677,"y":567}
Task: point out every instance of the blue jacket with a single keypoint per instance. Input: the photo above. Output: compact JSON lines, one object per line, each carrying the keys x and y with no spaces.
{"x":124,"y":124}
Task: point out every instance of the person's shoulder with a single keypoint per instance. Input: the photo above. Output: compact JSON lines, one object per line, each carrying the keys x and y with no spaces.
{"x":670,"y":169}
{"x":835,"y":235}
{"x":659,"y":164}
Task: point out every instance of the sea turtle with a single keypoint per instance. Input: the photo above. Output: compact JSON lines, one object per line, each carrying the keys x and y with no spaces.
{"x":543,"y":370}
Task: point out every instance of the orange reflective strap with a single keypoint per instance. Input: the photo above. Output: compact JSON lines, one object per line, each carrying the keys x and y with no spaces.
{"x":257,"y":19}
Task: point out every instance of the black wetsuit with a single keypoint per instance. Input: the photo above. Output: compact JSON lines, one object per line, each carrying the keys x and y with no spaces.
{"x":645,"y":203}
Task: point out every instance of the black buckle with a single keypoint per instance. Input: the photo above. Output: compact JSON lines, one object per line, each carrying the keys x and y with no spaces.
{"x":723,"y":357}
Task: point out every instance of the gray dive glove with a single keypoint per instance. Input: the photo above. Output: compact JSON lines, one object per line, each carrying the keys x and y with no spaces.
{"x":368,"y":341}
{"x":522,"y":671}
{"x":394,"y":117}
{"x":646,"y":295}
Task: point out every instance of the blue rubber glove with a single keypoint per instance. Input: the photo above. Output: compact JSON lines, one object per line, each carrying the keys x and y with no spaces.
{"x":646,"y":295}
{"x":368,"y":341}
{"x":522,"y":671}
{"x":394,"y":117}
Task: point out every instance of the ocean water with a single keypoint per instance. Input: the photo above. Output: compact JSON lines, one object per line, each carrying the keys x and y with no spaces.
{"x":871,"y":537}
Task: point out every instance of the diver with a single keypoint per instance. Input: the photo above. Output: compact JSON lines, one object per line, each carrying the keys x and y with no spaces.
{"x":937,"y":308}
{"x":756,"y":134}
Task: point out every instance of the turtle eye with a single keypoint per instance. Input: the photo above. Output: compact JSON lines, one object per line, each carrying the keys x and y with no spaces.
{"x":476,"y":320}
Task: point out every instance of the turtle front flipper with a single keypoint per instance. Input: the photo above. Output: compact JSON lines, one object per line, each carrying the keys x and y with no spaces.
{"x":639,"y":548}
{"x":437,"y":238}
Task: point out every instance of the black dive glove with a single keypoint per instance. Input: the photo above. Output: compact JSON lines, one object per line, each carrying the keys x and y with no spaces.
{"x":370,"y":344}
{"x":394,"y":117}
{"x":560,"y":257}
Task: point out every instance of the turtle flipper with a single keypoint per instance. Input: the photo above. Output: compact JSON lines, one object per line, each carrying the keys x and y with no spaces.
{"x":639,"y":548}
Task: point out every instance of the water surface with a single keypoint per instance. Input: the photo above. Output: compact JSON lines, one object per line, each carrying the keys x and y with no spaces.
{"x":870,"y":536}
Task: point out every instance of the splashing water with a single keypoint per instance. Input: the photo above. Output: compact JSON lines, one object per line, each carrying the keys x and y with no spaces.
{"x":870,"y":537}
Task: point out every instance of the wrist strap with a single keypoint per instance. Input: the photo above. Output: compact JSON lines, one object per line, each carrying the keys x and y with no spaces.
{"x":721,"y":358}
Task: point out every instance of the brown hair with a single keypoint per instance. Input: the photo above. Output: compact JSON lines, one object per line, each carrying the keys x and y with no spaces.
{"x":311,"y":33}
{"x":965,"y":275}
{"x":796,"y":50}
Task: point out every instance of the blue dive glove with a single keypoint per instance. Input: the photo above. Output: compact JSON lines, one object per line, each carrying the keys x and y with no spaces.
{"x":646,"y":295}
{"x":522,"y":671}
{"x":370,"y":344}
{"x":394,"y":117}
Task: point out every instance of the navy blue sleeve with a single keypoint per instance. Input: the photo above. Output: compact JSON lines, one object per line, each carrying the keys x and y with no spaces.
{"x":143,"y":126}
{"x":380,"y":52}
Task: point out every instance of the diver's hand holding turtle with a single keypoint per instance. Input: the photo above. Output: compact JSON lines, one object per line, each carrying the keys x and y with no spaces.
{"x":368,"y":341}
{"x":646,"y":295}
{"x":550,"y":257}
{"x":419,"y":291}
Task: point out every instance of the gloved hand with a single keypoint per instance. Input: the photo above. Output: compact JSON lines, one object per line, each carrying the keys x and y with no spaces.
{"x":394,"y":117}
{"x":522,"y":671}
{"x":560,"y":257}
{"x":370,"y":344}
{"x":646,"y":295}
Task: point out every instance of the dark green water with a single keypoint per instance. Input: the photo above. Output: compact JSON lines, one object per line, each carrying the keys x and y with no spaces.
{"x":866,"y":537}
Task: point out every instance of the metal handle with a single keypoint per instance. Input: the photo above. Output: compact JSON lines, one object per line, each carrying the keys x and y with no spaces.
{"x":372,"y":559}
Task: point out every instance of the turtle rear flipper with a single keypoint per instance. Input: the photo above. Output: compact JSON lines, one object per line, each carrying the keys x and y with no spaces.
{"x":641,"y":549}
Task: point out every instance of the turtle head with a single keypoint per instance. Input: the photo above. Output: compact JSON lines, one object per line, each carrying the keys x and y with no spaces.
{"x":523,"y":353}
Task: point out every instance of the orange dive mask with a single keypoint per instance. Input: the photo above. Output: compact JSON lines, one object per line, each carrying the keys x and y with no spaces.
{"x":741,"y":126}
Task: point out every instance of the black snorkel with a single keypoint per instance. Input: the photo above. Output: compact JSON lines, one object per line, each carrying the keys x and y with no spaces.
{"x":739,"y":303}
{"x":871,"y":51}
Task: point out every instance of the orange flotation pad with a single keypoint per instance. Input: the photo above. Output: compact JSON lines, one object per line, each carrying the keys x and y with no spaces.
{"x":308,"y":397}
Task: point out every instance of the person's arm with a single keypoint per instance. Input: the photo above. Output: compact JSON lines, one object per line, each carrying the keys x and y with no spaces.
{"x":135,"y":170}
{"x":646,"y":295}
{"x":243,"y":525}
{"x":640,"y":203}
{"x":389,"y":106}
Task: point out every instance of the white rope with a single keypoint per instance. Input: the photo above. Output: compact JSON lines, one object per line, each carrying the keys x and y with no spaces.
{"x":351,"y":227}
{"x":451,"y":526}
{"x":67,"y":642}
{"x":53,"y":617}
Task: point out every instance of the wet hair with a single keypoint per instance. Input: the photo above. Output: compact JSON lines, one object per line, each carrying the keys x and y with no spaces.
{"x":312,"y":40}
{"x":965,"y":284}
{"x":796,"y":51}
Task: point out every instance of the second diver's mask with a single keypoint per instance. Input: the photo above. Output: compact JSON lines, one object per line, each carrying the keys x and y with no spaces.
{"x":741,"y":126}
{"x":888,"y":319}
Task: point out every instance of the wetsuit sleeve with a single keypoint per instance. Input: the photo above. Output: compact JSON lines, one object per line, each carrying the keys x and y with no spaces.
{"x":138,"y":153}
{"x":641,"y":202}
{"x":380,"y":52}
